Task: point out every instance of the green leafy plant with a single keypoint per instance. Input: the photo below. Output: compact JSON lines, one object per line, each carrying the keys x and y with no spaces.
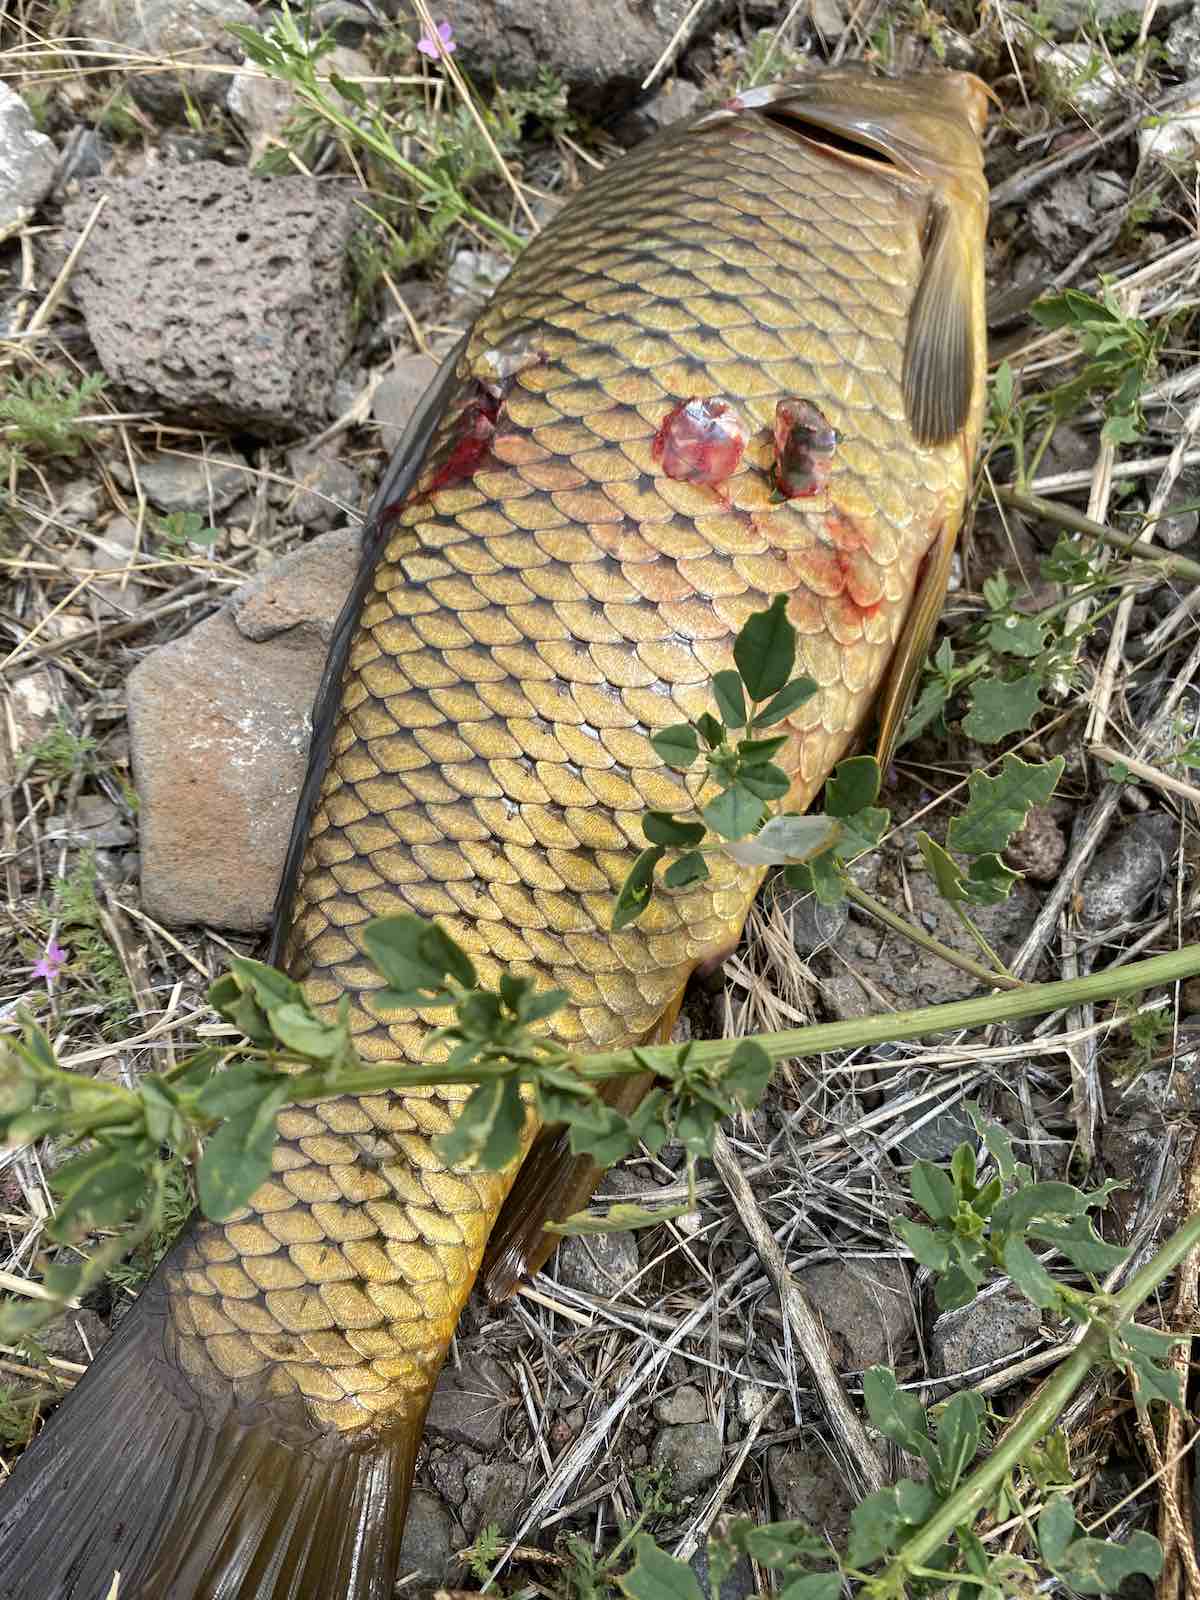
{"x":178,"y":529}
{"x":61,"y":751}
{"x":41,"y":414}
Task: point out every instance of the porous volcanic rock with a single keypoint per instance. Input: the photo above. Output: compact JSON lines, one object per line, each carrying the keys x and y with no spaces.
{"x":219,"y":297}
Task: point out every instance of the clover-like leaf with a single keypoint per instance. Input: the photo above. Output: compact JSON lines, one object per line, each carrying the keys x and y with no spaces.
{"x":677,"y":745}
{"x":765,"y":650}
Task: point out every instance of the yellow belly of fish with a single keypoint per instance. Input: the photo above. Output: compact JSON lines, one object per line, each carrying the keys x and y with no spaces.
{"x":532,"y":622}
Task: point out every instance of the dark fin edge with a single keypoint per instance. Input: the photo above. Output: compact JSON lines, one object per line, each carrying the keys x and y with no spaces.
{"x":127,"y":1478}
{"x":553,"y":1184}
{"x":912,"y":647}
{"x":398,"y":478}
{"x":940,"y":357}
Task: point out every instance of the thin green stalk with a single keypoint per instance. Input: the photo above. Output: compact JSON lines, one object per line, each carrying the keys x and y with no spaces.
{"x":1065,"y":517}
{"x":926,"y":941}
{"x":1035,"y":1420}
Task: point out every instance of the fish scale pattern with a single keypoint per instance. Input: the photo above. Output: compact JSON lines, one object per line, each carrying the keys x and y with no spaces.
{"x":547,"y":598}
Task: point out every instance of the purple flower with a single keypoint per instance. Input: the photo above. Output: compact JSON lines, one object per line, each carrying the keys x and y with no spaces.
{"x":53,"y":961}
{"x":442,"y":45}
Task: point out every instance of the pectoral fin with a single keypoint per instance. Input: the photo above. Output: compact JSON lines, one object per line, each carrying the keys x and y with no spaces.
{"x":913,"y":645}
{"x":940,"y":358}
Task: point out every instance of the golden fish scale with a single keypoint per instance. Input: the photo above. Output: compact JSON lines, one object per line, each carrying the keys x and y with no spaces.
{"x":527,"y":629}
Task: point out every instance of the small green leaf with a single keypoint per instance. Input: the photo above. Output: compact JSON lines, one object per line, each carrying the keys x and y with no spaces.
{"x":814,"y":1586}
{"x":734,"y":813}
{"x":677,"y":745}
{"x":927,"y":707}
{"x":790,"y":698}
{"x":731,"y":702}
{"x":928,"y":1248}
{"x":416,"y":957}
{"x":754,"y":752}
{"x":1056,"y":1529}
{"x":637,"y":889}
{"x":685,"y":872}
{"x":660,"y":827}
{"x":238,"y":1089}
{"x":998,"y":806}
{"x":784,"y":840}
{"x":947,"y":875}
{"x":853,"y":786}
{"x":100,"y":1189}
{"x":988,"y":881}
{"x":765,"y":650}
{"x":487,"y":1131}
{"x":764,"y":780}
{"x":881,"y":1523}
{"x":1016,"y":635}
{"x":296,"y":1027}
{"x":269,"y":987}
{"x":747,"y":1073}
{"x":1000,"y":707}
{"x":237,"y":1159}
{"x":711,"y":731}
{"x":1029,"y":1275}
{"x":933,"y":1191}
{"x":657,"y":1576}
{"x":959,"y":1430}
{"x":898,"y":1415}
{"x":778,"y":1544}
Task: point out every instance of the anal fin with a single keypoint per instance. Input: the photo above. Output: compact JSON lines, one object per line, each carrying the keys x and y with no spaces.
{"x":912,"y":648}
{"x":553,"y":1184}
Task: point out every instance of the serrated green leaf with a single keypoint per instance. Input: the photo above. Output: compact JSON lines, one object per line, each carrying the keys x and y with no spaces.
{"x":933,"y":1190}
{"x":622,"y":1217}
{"x":637,"y":889}
{"x":1056,"y":1529}
{"x":1027,"y":1272}
{"x":786,"y":840}
{"x":765,"y":650}
{"x":1038,"y":1200}
{"x":660,"y":827}
{"x":1016,"y":635}
{"x":1000,"y":707}
{"x":999,"y":1145}
{"x":734,"y":813}
{"x":790,"y":698}
{"x":677,"y":745}
{"x":416,"y":957}
{"x":731,"y":701}
{"x":853,"y":786}
{"x":988,"y":881}
{"x":998,"y":807}
{"x":689,"y":869}
{"x":486,"y":1135}
{"x":1080,"y":1243}
{"x":237,"y":1159}
{"x":657,"y":1576}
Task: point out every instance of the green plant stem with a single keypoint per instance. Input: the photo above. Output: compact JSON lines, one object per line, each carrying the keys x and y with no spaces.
{"x":1065,"y":517}
{"x":1035,"y":1420}
{"x":994,"y":979}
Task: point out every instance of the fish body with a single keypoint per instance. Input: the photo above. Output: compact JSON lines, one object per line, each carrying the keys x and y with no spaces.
{"x":747,"y":360}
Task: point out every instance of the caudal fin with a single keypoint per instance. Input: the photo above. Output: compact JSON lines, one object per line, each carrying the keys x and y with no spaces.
{"x":130,"y":1478}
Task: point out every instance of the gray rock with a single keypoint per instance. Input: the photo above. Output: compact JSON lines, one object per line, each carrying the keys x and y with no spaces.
{"x":1080,"y":74}
{"x":808,"y":1488}
{"x":685,"y":1404}
{"x":1175,"y":529}
{"x":97,"y":823}
{"x":85,"y":155}
{"x":399,"y":395}
{"x":188,"y":483}
{"x":815,"y":925}
{"x":940,"y":1138}
{"x":218,"y":296}
{"x":1107,"y":191}
{"x":449,"y":1470}
{"x":674,"y":102}
{"x":1183,"y":44}
{"x":865,"y":1305}
{"x":345,"y":19}
{"x":1128,"y":870}
{"x":602,"y":53}
{"x":599,"y":1264}
{"x":1067,"y":17}
{"x":109,"y":561}
{"x":828,"y":18}
{"x":328,"y":490}
{"x":77,"y":1336}
{"x":469,"y":1403}
{"x":495,"y":1490}
{"x":739,"y":1584}
{"x":192,"y":30}
{"x":691,"y":1453}
{"x":1039,"y":847}
{"x":28,"y":162}
{"x":1062,"y":218}
{"x":429,"y":1539}
{"x":1173,"y":140}
{"x":219,"y":724}
{"x":472,"y":277}
{"x":991,"y":1329}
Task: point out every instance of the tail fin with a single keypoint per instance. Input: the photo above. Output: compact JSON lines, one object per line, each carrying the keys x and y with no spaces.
{"x":128,"y":1478}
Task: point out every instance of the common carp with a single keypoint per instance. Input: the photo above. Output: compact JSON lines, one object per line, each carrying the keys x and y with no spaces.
{"x":747,"y":360}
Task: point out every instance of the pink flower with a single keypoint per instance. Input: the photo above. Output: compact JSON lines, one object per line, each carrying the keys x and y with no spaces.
{"x":442,"y":45}
{"x":53,"y":961}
